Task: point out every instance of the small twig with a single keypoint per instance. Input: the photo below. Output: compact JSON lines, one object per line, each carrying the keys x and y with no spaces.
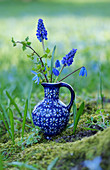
{"x":37,"y":55}
{"x":70,"y":74}
{"x":30,"y":48}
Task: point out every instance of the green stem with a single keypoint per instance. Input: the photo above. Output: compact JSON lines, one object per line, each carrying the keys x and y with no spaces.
{"x":59,"y":73}
{"x":46,"y":58}
{"x":43,"y":46}
{"x":70,"y":74}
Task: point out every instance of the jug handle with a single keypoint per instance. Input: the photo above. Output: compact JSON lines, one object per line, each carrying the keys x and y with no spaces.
{"x":72,"y":94}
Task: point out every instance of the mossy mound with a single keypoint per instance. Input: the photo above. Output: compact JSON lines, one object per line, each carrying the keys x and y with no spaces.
{"x":71,"y":150}
{"x":70,"y":154}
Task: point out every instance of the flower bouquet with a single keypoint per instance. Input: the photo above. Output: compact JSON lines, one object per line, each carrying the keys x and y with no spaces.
{"x":51,"y":115}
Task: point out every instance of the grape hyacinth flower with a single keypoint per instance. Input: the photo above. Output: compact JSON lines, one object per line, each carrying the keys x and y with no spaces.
{"x":57,"y":63}
{"x":55,"y":71}
{"x":35,"y":77}
{"x":83,"y":72}
{"x":41,"y":31}
{"x":44,"y":67}
{"x":68,"y":59}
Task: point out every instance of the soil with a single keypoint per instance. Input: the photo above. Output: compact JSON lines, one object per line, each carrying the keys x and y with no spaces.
{"x":79,"y":135}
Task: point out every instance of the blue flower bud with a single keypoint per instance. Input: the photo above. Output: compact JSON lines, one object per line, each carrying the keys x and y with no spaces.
{"x":55,"y":71}
{"x":57,"y":63}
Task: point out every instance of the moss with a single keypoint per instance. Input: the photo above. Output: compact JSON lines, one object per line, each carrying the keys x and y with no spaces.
{"x":70,"y":154}
{"x":89,"y":148}
{"x":44,"y":153}
{"x":4,"y":138}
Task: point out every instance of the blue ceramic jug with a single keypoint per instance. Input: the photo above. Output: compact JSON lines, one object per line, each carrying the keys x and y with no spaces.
{"x":52,"y":115}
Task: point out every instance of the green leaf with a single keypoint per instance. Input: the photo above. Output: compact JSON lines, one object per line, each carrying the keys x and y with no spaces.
{"x":87,"y":128}
{"x":79,"y":113}
{"x":52,"y":164}
{"x":24,"y":117}
{"x":29,"y":56}
{"x":43,"y":68}
{"x":38,"y":60}
{"x":12,"y":124}
{"x":14,"y":44}
{"x":28,"y":43}
{"x":47,"y":50}
{"x":1,"y":162}
{"x":32,"y":58}
{"x":5,"y":114}
{"x":45,"y":72}
{"x":29,"y":105}
{"x":74,"y":111}
{"x":24,"y":47}
{"x":22,"y":165}
{"x":12,"y":40}
{"x":27,"y":38}
{"x":45,"y":64}
{"x":52,"y":61}
{"x":38,"y":66}
{"x":6,"y":125}
{"x":23,"y":42}
{"x":13,"y":102}
{"x":44,"y":56}
{"x":39,"y":74}
{"x":49,"y":56}
{"x":48,"y":68}
{"x":33,"y":68}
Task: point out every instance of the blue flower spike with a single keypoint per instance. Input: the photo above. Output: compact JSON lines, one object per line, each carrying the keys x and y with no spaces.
{"x":83,"y":72}
{"x":41,"y":31}
{"x":55,"y":71}
{"x":35,"y":77}
{"x":57,"y":63}
{"x":68,"y":59}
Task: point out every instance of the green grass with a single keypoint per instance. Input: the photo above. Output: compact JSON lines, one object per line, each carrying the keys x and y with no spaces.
{"x":84,"y":26}
{"x":77,"y":115}
{"x":12,"y":124}
{"x":24,"y":118}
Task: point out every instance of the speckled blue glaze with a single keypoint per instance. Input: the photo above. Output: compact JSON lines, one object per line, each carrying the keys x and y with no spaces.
{"x":52,"y":115}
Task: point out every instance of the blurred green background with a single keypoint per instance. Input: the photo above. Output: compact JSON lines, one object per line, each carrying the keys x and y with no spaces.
{"x":81,"y":24}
